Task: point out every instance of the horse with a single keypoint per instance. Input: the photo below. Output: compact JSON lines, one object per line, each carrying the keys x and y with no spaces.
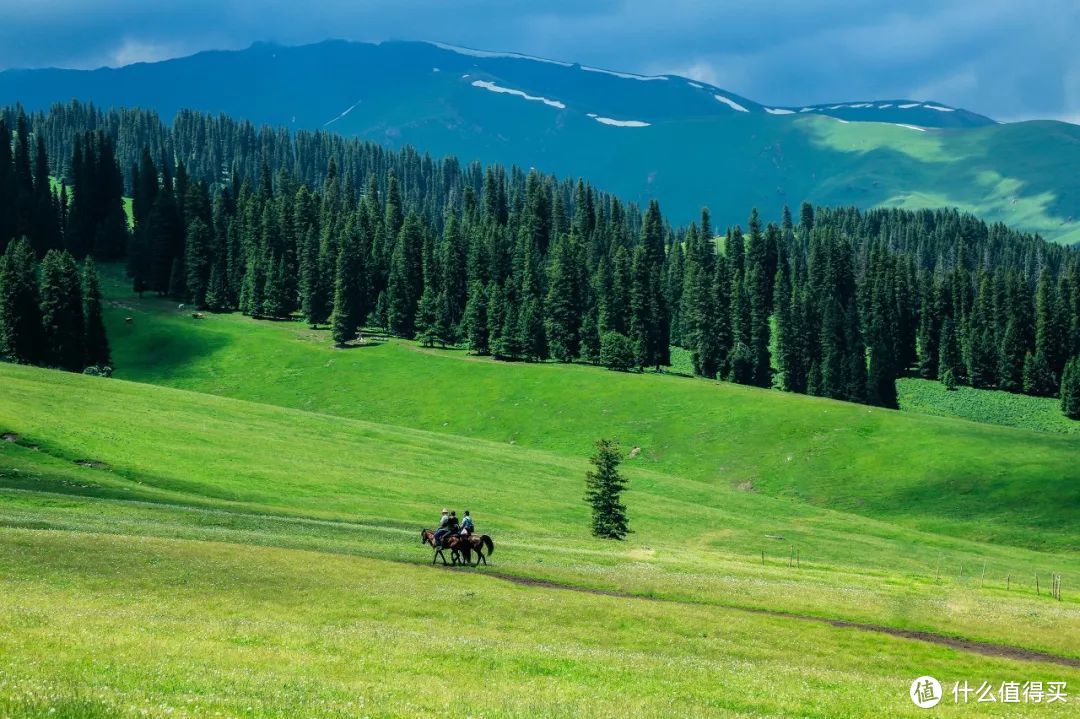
{"x":453,"y":541}
{"x":477,"y":543}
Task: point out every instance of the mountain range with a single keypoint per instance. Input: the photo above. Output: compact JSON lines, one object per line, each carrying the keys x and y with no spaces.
{"x":685,"y":142}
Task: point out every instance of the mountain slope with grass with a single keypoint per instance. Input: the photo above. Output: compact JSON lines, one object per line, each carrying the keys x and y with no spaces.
{"x":942,"y":472}
{"x":190,"y":570}
{"x":251,"y":547}
{"x":683,"y":142}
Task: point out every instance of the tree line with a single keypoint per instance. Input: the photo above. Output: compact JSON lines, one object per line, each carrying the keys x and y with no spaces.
{"x":50,"y":309}
{"x":523,"y":266}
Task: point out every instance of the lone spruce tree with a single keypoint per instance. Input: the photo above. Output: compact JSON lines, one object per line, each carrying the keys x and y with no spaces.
{"x":603,"y":485}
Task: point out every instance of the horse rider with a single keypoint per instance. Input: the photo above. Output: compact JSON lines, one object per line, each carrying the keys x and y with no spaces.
{"x":453,"y":525}
{"x":444,"y":527}
{"x":466,"y":525}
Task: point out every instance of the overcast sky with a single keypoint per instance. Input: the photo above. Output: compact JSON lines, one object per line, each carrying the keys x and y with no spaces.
{"x":1010,"y":59}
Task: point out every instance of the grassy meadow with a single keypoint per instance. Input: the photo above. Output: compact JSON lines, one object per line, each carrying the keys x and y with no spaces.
{"x":936,"y":474}
{"x":230,"y":528}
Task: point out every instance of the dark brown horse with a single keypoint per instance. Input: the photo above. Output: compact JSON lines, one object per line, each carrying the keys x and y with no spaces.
{"x":478,"y":543}
{"x":450,"y":541}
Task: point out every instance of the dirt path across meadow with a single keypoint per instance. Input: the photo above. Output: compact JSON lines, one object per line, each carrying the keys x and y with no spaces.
{"x":966,"y":645}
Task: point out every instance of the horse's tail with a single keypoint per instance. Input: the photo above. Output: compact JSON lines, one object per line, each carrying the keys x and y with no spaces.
{"x":489,"y":544}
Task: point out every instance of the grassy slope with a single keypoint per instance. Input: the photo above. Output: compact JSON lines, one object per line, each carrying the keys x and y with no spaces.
{"x":937,"y":474}
{"x":1016,"y":173}
{"x":1004,"y":408}
{"x":333,"y":486}
{"x":256,"y":632}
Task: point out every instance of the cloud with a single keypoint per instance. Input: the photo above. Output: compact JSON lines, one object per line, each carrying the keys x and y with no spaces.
{"x":132,"y":51}
{"x":1000,"y":57}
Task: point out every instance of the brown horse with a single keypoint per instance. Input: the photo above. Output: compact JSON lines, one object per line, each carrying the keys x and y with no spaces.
{"x":477,"y":543}
{"x":450,"y":541}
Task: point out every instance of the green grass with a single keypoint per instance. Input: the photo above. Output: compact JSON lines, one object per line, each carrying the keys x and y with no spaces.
{"x":936,"y":474}
{"x":259,"y":632}
{"x":250,"y":548}
{"x":1004,"y":408}
{"x":212,"y":453}
{"x":269,"y":556}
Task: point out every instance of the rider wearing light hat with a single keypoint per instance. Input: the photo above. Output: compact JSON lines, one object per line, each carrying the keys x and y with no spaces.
{"x":444,"y":527}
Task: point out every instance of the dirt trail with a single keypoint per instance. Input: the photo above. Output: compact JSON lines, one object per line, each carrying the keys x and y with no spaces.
{"x":967,"y":645}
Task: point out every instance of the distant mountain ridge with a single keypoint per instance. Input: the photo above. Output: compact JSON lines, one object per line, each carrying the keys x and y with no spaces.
{"x":686,"y":142}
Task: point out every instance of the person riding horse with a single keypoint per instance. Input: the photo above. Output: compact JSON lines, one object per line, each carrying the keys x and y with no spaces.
{"x":444,"y":528}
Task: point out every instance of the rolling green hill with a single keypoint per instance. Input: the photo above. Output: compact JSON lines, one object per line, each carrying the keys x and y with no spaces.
{"x":251,"y":548}
{"x":949,"y":476}
{"x":201,"y":554}
{"x":685,"y":143}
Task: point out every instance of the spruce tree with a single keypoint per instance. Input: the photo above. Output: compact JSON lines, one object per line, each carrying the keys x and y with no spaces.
{"x":1070,"y":389}
{"x":508,"y":343}
{"x":314,"y":299}
{"x":198,"y":259}
{"x":20,"y":313}
{"x":533,"y":336}
{"x":1038,"y":379}
{"x":427,"y":332}
{"x":62,"y":312}
{"x":344,"y":320}
{"x":406,"y":279}
{"x":1010,"y":369}
{"x":276,"y":298}
{"x":564,"y":300}
{"x":949,"y":359}
{"x":603,"y":489}
{"x":216,"y":290}
{"x":1050,"y":329}
{"x":591,"y":344}
{"x":97,"y":343}
{"x":445,"y":329}
{"x":881,"y":375}
{"x":476,"y":319}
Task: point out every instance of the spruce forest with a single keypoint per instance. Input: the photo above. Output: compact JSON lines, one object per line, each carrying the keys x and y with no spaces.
{"x":834,"y":302}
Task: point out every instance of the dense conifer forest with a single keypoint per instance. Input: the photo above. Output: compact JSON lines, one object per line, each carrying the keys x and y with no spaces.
{"x":834,"y":302}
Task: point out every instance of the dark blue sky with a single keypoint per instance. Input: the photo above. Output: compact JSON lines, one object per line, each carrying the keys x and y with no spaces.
{"x":1008,"y":59}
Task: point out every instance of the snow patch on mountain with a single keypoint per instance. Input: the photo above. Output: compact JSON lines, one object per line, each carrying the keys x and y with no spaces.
{"x":618,"y":123}
{"x":486,"y":53}
{"x":485,"y":84}
{"x":910,"y":127}
{"x":939,"y":108}
{"x":779,"y":111}
{"x":908,"y":106}
{"x":731,"y":103}
{"x":624,"y":75}
{"x":343,"y":114}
